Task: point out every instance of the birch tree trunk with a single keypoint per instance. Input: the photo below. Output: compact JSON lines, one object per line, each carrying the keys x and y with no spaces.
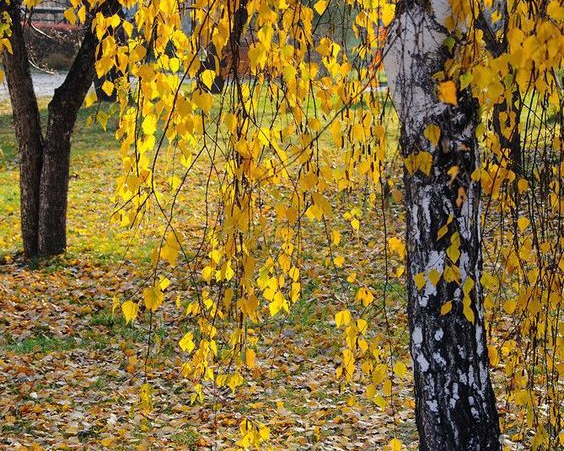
{"x":455,"y":403}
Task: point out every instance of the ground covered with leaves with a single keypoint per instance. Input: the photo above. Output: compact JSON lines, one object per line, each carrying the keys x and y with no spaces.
{"x":71,"y":369}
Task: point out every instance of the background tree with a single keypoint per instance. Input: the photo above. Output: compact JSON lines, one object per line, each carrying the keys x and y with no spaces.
{"x":45,"y":157}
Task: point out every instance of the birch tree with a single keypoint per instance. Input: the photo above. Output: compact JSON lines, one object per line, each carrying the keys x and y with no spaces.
{"x":455,"y":403}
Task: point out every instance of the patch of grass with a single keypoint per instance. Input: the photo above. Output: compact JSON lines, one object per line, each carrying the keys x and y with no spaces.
{"x":42,"y":343}
{"x":20,"y":427}
{"x":188,"y":437}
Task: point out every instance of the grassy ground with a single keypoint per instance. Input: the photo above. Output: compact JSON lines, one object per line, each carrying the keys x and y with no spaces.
{"x":70,"y":368}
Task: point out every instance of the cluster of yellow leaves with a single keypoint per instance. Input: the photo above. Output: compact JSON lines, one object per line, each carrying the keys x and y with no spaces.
{"x":250,"y":263}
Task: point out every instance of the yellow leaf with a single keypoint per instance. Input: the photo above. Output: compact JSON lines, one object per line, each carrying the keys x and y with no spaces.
{"x":187,"y":342}
{"x":362,"y":325}
{"x":493,"y":355}
{"x":509,"y":306}
{"x":164,"y":283}
{"x":207,"y":77}
{"x":397,"y":245}
{"x":555,"y":10}
{"x":343,"y":318}
{"x":446,"y":307}
{"x":432,"y":133}
{"x":336,"y":237}
{"x":523,"y":223}
{"x":447,"y":92}
{"x":442,"y":232}
{"x":153,"y":297}
{"x":339,"y":261}
{"x":70,"y":16}
{"x":320,"y":7}
{"x":522,"y":185}
{"x":250,"y":358}
{"x":400,"y":369}
{"x":203,"y":100}
{"x":355,"y":224}
{"x":387,"y":10}
{"x":107,"y":442}
{"x":130,"y":310}
{"x":419,"y":280}
{"x":150,"y":124}
{"x":395,"y":445}
{"x":370,"y":391}
{"x":434,"y":276}
{"x":468,"y":313}
{"x":146,"y":397}
{"x":90,"y":99}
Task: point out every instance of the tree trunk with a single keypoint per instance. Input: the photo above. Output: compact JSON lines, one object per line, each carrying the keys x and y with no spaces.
{"x":45,"y":163}
{"x":63,"y":110}
{"x":27,"y":127}
{"x":455,"y":403}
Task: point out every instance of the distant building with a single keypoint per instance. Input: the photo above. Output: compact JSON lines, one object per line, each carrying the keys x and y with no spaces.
{"x":49,"y":11}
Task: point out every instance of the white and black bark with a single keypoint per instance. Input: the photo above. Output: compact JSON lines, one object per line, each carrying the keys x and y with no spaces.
{"x":455,"y":403}
{"x":45,"y":159}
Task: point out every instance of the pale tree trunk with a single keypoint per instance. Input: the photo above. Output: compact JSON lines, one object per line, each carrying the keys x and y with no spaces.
{"x":45,"y":161}
{"x":455,"y":403}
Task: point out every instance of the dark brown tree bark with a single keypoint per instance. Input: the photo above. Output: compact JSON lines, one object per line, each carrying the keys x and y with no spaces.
{"x":455,"y":403}
{"x":230,"y":62}
{"x":28,"y":129}
{"x":45,"y":162}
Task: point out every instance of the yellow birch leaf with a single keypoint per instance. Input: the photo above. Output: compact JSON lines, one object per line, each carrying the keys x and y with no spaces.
{"x":432,"y":133}
{"x":447,"y":92}
{"x":446,"y":307}
{"x":468,"y":313}
{"x":153,"y":298}
{"x":523,"y":223}
{"x":493,"y":355}
{"x":355,"y":224}
{"x":343,"y":318}
{"x":370,"y":391}
{"x":130,"y":310}
{"x":250,"y":358}
{"x":434,"y":276}
{"x":207,"y":77}
{"x":149,"y":124}
{"x":400,"y":369}
{"x":187,"y":343}
{"x":107,"y":442}
{"x":522,"y":185}
{"x":387,"y":10}
{"x":70,"y":16}
{"x":419,"y":280}
{"x":320,"y":7}
{"x":395,"y":445}
{"x":339,"y":261}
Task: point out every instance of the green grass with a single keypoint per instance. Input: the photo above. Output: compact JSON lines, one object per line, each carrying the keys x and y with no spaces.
{"x":188,"y":437}
{"x":41,"y":343}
